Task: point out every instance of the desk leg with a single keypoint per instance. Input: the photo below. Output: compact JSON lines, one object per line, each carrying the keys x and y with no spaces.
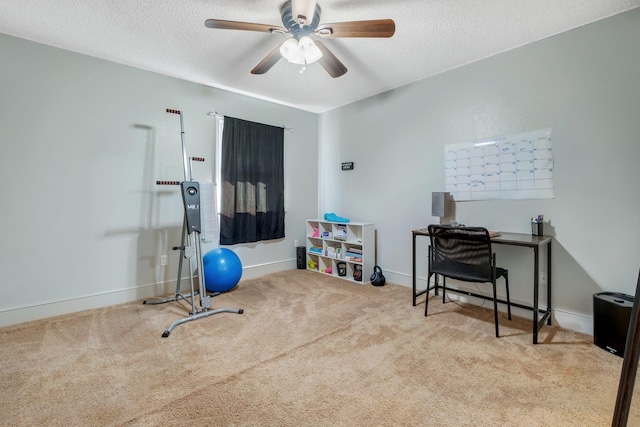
{"x":414,"y":270}
{"x":535,"y":294}
{"x":549,"y":282}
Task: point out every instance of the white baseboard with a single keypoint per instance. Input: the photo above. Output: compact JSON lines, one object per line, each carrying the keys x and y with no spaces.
{"x":564,"y":319}
{"x":27,"y":313}
{"x":268,"y":268}
{"x":573,"y":321}
{"x":43,"y":310}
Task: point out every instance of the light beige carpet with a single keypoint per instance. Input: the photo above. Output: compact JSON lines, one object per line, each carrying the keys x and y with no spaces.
{"x":310,"y":350}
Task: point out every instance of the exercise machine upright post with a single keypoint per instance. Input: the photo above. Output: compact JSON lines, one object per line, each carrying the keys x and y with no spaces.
{"x":190,"y":245}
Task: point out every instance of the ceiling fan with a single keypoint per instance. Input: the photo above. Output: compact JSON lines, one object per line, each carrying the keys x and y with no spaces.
{"x":301,"y":19}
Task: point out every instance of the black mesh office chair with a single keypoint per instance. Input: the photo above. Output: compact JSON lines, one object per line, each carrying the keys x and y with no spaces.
{"x":464,"y":253}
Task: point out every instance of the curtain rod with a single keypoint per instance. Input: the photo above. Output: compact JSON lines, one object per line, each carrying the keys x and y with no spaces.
{"x":216,"y":114}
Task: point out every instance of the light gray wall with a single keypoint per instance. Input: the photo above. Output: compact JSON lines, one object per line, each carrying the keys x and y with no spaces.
{"x":83,"y":142}
{"x":583,"y":84}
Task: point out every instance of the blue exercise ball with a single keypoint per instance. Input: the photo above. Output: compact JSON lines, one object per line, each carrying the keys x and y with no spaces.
{"x":222,"y":270}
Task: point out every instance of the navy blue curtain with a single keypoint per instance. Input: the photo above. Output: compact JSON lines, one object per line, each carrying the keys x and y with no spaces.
{"x":252,"y":193}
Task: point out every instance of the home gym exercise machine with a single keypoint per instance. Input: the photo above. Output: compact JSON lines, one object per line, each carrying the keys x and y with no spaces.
{"x":191,"y":229}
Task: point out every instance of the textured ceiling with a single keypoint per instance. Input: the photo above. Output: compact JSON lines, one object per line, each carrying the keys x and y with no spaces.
{"x":170,"y":38}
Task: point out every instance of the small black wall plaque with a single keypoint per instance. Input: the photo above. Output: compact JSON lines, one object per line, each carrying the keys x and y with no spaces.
{"x":347,"y":166}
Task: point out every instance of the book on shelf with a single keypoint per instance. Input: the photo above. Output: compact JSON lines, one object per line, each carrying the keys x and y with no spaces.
{"x":353,"y":259}
{"x":355,"y":250}
{"x":494,"y":233}
{"x":332,"y":252}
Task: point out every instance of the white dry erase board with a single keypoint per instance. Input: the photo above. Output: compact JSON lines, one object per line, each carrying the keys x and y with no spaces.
{"x":516,"y":166}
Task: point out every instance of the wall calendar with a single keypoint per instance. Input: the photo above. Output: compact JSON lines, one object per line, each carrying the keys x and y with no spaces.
{"x":516,"y":166}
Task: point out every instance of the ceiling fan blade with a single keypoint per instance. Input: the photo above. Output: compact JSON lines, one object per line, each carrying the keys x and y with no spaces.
{"x":302,"y":11}
{"x":268,"y":61}
{"x":247,"y":26}
{"x":329,"y":62}
{"x":372,"y":28}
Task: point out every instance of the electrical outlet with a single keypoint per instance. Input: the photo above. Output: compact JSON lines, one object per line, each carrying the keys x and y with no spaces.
{"x":164,"y":260}
{"x":295,"y":243}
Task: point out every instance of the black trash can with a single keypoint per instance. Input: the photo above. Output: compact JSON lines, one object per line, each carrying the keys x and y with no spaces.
{"x":611,"y":315}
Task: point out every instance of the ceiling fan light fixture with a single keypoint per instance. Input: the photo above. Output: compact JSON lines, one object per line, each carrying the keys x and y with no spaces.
{"x":298,"y":60}
{"x":308,"y":49}
{"x":303,"y":51}
{"x":291,"y":52}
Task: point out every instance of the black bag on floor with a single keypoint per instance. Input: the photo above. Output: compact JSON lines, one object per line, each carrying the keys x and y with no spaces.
{"x":377,"y":278}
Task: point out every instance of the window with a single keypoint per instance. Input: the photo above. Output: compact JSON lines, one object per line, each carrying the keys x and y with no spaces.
{"x":250,"y":171}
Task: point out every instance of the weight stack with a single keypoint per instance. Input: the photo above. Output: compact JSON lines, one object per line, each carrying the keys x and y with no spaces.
{"x":611,"y":316}
{"x":301,"y":257}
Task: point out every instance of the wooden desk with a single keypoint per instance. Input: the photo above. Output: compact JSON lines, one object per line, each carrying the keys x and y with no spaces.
{"x":512,"y":239}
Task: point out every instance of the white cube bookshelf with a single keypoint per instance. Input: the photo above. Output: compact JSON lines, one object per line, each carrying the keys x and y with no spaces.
{"x":329,"y":243}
